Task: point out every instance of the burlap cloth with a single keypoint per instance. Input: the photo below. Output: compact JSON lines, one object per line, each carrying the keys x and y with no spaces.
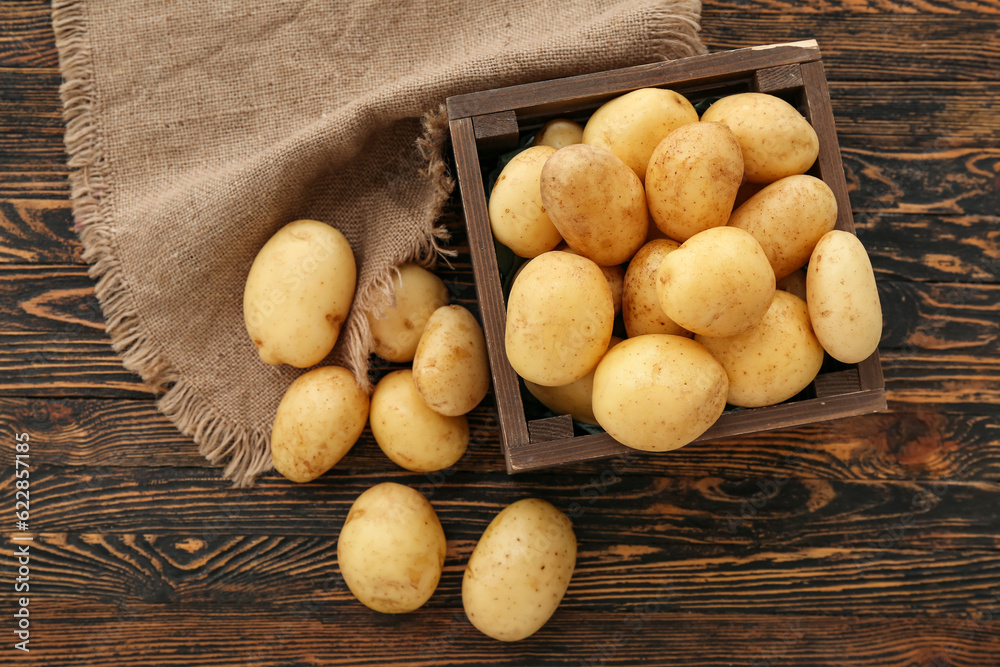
{"x":196,"y":129}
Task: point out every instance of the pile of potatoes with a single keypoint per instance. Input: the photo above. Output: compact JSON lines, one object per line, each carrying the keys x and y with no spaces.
{"x":713,"y":296}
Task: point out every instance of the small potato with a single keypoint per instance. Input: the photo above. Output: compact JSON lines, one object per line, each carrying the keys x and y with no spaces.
{"x":519,"y":571}
{"x":641,"y":308}
{"x":787,"y":218}
{"x":658,"y":392}
{"x":559,"y":133}
{"x":692,"y":179}
{"x":298,"y":293}
{"x":391,"y":549}
{"x":630,"y":126}
{"x":450,"y":369}
{"x":517,"y":215}
{"x":411,"y":434}
{"x":718,"y":283}
{"x":560,"y":314}
{"x":615,"y":276}
{"x":843,"y":299}
{"x":320,"y":417}
{"x":794,"y":283}
{"x":396,"y":329}
{"x":773,"y":360}
{"x":776,"y":140}
{"x":572,"y":399}
{"x":596,"y":203}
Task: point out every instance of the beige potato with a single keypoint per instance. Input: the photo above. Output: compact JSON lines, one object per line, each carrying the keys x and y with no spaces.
{"x":773,"y":360}
{"x":560,"y":314}
{"x":320,"y":417}
{"x":559,"y":133}
{"x":630,"y":126}
{"x":517,"y":215}
{"x":396,"y":329}
{"x":411,"y":434}
{"x":298,"y":293}
{"x":391,"y":549}
{"x":788,"y":218}
{"x":596,"y":203}
{"x":776,"y":140}
{"x":615,"y":275}
{"x":658,"y":392}
{"x":718,"y":283}
{"x":519,"y":571}
{"x":572,"y":399}
{"x":450,"y":369}
{"x":843,"y":298}
{"x":641,"y":309}
{"x":692,"y":179}
{"x":794,"y":283}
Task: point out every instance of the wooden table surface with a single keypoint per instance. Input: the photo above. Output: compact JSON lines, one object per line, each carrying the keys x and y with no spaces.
{"x":866,"y":541}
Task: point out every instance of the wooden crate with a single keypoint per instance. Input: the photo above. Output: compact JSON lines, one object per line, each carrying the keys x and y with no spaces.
{"x":489,"y":123}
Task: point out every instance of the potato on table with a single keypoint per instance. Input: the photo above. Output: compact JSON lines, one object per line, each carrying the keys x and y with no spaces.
{"x":450,"y":368}
{"x":396,"y":329}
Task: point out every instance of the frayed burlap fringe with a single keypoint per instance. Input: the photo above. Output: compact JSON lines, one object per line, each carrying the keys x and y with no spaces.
{"x":673,"y":33}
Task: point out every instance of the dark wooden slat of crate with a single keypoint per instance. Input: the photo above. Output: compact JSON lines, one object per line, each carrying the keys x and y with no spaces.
{"x":491,"y":306}
{"x":38,"y":231}
{"x":226,"y":632}
{"x":776,"y":80}
{"x":588,"y":88}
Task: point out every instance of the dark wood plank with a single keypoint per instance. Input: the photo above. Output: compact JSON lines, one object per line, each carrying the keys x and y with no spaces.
{"x":27,"y":39}
{"x":38,"y":231}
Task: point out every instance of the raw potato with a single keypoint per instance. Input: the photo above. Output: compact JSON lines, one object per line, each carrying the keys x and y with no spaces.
{"x":658,"y":392}
{"x":572,"y":399}
{"x":391,"y":549}
{"x":519,"y":571}
{"x":411,"y":434}
{"x":630,"y":126}
{"x":794,"y":283}
{"x":517,"y":216}
{"x":692,"y":179}
{"x":776,"y":140}
{"x":298,"y":293}
{"x":396,"y":329}
{"x":596,"y":203}
{"x":320,"y":417}
{"x":615,"y":275}
{"x":450,"y":369}
{"x":773,"y":360}
{"x":641,"y":308}
{"x":559,"y":319}
{"x":787,"y":218}
{"x":718,"y":283}
{"x":559,"y":133}
{"x":843,"y":299}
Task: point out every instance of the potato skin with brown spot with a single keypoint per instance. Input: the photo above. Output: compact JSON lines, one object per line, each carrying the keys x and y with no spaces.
{"x":776,"y":140}
{"x":658,"y":392}
{"x":572,"y":399}
{"x":773,"y":360}
{"x":641,"y":310}
{"x":595,"y":202}
{"x":320,"y":417}
{"x":519,"y":571}
{"x":788,"y":218}
{"x":794,"y":283}
{"x":391,"y":549}
{"x":843,"y":298}
{"x":450,"y":368}
{"x":517,"y":215}
{"x":692,"y":179}
{"x":396,"y":330}
{"x":560,"y":314}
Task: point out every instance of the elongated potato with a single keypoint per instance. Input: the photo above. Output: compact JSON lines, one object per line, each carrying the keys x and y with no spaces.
{"x":411,"y":434}
{"x":658,"y":392}
{"x":298,"y":293}
{"x":843,"y":298}
{"x":630,"y":126}
{"x":517,"y":215}
{"x":450,"y":369}
{"x":572,"y":399}
{"x":692,"y":179}
{"x":320,"y":417}
{"x":596,"y":202}
{"x":560,"y":314}
{"x":396,"y":329}
{"x":391,"y":549}
{"x":788,"y":218}
{"x":519,"y":571}
{"x":641,"y":309}
{"x":773,"y":360}
{"x":776,"y":140}
{"x":559,"y":133}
